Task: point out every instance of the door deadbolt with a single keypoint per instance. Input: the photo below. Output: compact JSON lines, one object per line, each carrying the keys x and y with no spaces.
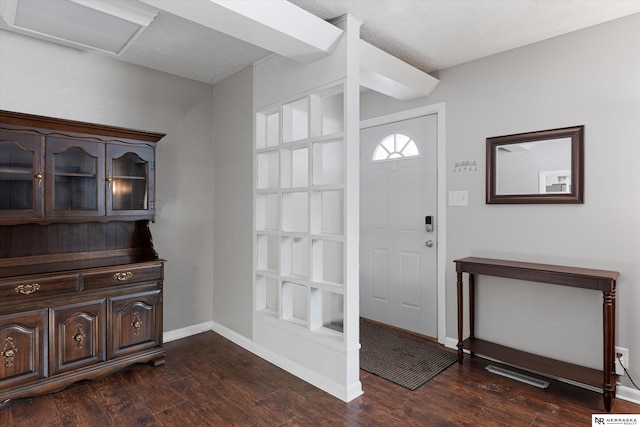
{"x":428,"y":224}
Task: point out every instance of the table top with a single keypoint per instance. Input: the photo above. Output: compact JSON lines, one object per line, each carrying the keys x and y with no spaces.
{"x":588,"y":278}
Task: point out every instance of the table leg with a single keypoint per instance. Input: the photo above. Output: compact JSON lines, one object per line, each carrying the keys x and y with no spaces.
{"x":608,"y":325}
{"x":613,"y":335}
{"x":472,"y":305}
{"x":460,"y":317}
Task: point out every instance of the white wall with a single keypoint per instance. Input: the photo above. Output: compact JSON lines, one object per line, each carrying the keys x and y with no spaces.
{"x":590,"y":77}
{"x":47,"y":79}
{"x":233,"y":195}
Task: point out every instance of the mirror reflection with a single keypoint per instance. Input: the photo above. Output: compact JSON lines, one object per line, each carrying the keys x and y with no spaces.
{"x":536,"y":167}
{"x":539,"y":167}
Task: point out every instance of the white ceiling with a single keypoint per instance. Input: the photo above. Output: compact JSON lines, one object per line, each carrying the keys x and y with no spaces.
{"x":429,"y":34}
{"x":436,"y":34}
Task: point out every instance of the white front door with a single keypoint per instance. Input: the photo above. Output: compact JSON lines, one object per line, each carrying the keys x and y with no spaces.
{"x":398,"y":190}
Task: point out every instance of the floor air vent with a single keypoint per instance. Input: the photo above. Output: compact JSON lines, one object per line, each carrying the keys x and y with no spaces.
{"x":517,"y":376}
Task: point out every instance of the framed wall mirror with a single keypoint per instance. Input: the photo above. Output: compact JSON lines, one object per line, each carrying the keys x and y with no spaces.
{"x":536,"y":167}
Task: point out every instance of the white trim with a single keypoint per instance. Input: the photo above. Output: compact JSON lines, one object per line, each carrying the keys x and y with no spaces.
{"x":386,"y":74}
{"x":439,"y":110}
{"x":177,"y":334}
{"x":451,"y":343}
{"x":627,"y":393}
{"x":289,"y":366}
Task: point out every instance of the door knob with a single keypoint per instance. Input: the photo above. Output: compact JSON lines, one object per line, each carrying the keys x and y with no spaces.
{"x":429,"y":243}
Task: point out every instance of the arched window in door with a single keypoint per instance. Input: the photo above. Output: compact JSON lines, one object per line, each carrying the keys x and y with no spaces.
{"x":395,"y":146}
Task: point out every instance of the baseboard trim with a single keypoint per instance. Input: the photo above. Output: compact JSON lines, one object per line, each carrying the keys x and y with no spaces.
{"x":627,"y":393}
{"x":287,"y":365}
{"x":176,"y":334}
{"x":451,"y":343}
{"x":299,"y":371}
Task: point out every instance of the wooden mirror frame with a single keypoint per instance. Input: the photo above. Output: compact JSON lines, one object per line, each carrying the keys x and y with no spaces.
{"x":576,"y":133}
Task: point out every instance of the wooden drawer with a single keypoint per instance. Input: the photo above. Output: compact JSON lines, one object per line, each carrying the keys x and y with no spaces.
{"x":22,"y":290}
{"x":123,"y":276}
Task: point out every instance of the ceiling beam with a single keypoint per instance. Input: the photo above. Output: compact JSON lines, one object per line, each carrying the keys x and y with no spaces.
{"x":275,"y":25}
{"x":384,"y":73}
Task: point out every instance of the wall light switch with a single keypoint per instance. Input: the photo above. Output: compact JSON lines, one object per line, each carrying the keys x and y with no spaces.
{"x":458,"y":198}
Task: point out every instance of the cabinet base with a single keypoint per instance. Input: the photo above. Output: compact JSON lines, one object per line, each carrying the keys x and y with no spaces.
{"x":57,"y":383}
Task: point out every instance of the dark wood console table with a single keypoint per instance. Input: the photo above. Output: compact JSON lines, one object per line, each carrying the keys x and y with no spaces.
{"x":598,"y":280}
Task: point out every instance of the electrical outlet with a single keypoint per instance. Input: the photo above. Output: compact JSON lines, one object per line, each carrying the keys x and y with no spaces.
{"x":624,"y":358}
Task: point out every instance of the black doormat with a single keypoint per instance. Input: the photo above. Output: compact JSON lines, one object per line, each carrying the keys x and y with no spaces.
{"x":405,"y":361}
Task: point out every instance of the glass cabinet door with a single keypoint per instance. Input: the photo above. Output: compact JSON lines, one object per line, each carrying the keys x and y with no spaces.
{"x":21,"y":179}
{"x":75,"y":178}
{"x":129,"y":180}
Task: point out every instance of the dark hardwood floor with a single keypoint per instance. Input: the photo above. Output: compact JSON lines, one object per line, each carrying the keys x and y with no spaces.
{"x":209,"y":381}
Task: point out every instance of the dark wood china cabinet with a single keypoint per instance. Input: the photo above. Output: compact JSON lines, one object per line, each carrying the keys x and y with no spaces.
{"x":80,"y":281}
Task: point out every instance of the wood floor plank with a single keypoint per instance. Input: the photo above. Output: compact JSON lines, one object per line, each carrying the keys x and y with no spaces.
{"x":86,"y":411}
{"x":219,"y":414}
{"x":195,"y":388}
{"x":39,"y":411}
{"x":123,"y":406}
{"x":180,"y":415}
{"x":174,"y":370}
{"x":5,"y":414}
{"x":144,"y":383}
{"x":308,"y":406}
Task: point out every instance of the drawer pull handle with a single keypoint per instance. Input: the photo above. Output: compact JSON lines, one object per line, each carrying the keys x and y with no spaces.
{"x":28,"y":289}
{"x":9,"y":352}
{"x":123,"y":276}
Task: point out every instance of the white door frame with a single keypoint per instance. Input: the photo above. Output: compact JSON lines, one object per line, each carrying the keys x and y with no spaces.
{"x":441,"y":219}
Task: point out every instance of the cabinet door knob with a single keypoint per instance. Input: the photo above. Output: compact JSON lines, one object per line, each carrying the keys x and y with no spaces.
{"x":79,"y":337}
{"x":136,"y":324}
{"x":8,"y":352}
{"x":39,"y":178}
